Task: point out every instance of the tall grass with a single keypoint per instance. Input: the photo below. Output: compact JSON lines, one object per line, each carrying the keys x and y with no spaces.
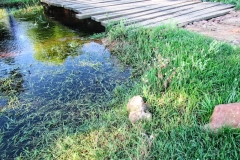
{"x":234,"y":2}
{"x":182,"y":75}
{"x":19,"y":3}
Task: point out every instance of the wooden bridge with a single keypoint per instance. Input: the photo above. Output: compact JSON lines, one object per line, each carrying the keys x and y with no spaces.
{"x":147,"y":13}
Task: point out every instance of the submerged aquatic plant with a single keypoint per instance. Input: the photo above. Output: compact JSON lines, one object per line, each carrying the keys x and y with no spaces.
{"x":56,"y":51}
{"x":12,"y":85}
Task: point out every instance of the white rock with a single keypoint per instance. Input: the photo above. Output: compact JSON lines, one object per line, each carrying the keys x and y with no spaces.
{"x":135,"y":104}
{"x":139,"y":115}
{"x":138,"y":109}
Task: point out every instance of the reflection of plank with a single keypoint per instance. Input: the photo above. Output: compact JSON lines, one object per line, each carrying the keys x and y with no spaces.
{"x":184,"y":17}
{"x":146,"y":13}
{"x":138,"y":12}
{"x":150,"y":15}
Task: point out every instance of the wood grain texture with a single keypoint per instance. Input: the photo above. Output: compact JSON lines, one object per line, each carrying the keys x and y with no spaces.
{"x":148,"y":13}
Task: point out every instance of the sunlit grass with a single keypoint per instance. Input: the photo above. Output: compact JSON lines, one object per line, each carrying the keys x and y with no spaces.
{"x":29,"y":13}
{"x":206,"y":75}
{"x":182,"y":75}
{"x":234,"y":2}
{"x":19,"y":3}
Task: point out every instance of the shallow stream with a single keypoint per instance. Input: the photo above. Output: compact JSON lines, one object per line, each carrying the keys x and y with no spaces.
{"x":51,"y":79}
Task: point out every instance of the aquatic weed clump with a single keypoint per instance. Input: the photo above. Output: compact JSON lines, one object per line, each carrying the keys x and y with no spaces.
{"x":12,"y":84}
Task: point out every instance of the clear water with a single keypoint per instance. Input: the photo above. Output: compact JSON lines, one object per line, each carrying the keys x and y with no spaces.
{"x":51,"y":77}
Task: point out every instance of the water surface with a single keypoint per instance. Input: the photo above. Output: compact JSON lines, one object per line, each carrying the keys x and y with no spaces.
{"x":52,"y":78}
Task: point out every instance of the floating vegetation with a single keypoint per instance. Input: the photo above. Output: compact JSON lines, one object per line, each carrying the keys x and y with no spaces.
{"x":11,"y":85}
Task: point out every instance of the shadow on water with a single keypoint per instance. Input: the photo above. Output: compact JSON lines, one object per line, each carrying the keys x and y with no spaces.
{"x":52,"y":79}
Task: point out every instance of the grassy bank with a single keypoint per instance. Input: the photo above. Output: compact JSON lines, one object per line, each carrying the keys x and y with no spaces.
{"x":18,"y":3}
{"x":182,"y":75}
{"x":234,"y":2}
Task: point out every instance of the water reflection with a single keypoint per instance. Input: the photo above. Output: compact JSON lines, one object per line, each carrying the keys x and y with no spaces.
{"x":51,"y":77}
{"x":4,"y":22}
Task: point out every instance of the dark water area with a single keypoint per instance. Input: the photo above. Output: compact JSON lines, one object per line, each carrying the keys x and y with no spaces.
{"x":50,"y":75}
{"x":68,"y":17}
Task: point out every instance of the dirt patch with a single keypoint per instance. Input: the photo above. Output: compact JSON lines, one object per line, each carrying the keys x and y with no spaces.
{"x":224,"y":28}
{"x":110,"y":45}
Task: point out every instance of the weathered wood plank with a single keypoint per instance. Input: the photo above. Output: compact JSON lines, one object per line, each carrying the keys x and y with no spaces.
{"x":171,"y":17}
{"x":195,"y":19}
{"x":147,"y":13}
{"x":185,"y":15}
{"x":106,"y":10}
{"x":80,"y":1}
{"x":152,"y":9}
{"x":99,"y":5}
{"x":139,"y":3}
{"x":189,"y":15}
{"x":85,"y":2}
{"x":152,"y":14}
{"x":181,"y":10}
{"x":204,"y":17}
{"x":59,"y":3}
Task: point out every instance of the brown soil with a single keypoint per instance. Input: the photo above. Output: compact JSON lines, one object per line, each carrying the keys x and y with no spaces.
{"x":224,"y":28}
{"x":110,"y":45}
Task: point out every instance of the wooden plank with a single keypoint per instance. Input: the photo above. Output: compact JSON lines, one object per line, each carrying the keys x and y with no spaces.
{"x":147,"y":13}
{"x":137,"y":4}
{"x":186,"y":16}
{"x":154,"y":8}
{"x":80,"y":1}
{"x":108,"y":10}
{"x":115,"y":4}
{"x":204,"y":17}
{"x":191,"y":11}
{"x":152,"y":14}
{"x":176,"y":12}
{"x":105,"y":4}
{"x":187,"y":8}
{"x":183,"y":16}
{"x":198,"y":18}
{"x":59,"y":2}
